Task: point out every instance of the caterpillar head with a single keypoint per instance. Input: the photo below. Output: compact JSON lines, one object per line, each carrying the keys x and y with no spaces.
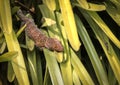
{"x":54,"y":44}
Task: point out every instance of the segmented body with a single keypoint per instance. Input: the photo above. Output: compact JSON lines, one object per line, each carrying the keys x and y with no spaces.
{"x":40,"y":39}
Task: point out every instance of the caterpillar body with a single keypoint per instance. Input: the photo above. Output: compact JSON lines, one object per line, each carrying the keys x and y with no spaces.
{"x":40,"y":39}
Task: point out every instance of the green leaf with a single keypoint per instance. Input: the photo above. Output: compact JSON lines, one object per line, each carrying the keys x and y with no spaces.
{"x":90,"y":6}
{"x":76,"y":79}
{"x":2,"y":48}
{"x":47,"y":22}
{"x":113,"y":10}
{"x":66,"y":70}
{"x":69,"y":24}
{"x":8,"y":56}
{"x":18,"y":63}
{"x":5,"y":16}
{"x":47,"y":79}
{"x":31,"y":56}
{"x":15,"y":9}
{"x":107,"y":47}
{"x":97,"y":65}
{"x":83,"y":3}
{"x":30,"y":44}
{"x":20,"y":30}
{"x":39,"y":68}
{"x":104,"y":27}
{"x":10,"y":73}
{"x":111,"y":76}
{"x":53,"y":68}
{"x":80,"y":70}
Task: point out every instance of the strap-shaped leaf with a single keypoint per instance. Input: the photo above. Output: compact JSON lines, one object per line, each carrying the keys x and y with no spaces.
{"x":8,"y":56}
{"x":97,"y":65}
{"x":5,"y":16}
{"x":69,"y":24}
{"x":105,"y":28}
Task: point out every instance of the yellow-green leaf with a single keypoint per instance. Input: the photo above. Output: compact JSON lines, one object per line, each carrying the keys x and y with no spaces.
{"x":69,"y":24}
{"x":8,"y":56}
{"x":105,"y":28}
{"x":5,"y":16}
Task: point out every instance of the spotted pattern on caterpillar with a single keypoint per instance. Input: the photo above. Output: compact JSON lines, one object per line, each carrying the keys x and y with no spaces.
{"x":40,"y":39}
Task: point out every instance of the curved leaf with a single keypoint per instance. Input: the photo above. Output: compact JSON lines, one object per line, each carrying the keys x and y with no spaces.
{"x":8,"y":56}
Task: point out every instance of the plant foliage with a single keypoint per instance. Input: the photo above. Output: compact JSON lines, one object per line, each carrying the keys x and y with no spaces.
{"x":87,"y":29}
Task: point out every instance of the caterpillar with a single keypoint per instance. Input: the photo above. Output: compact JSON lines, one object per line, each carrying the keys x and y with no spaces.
{"x":40,"y":39}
